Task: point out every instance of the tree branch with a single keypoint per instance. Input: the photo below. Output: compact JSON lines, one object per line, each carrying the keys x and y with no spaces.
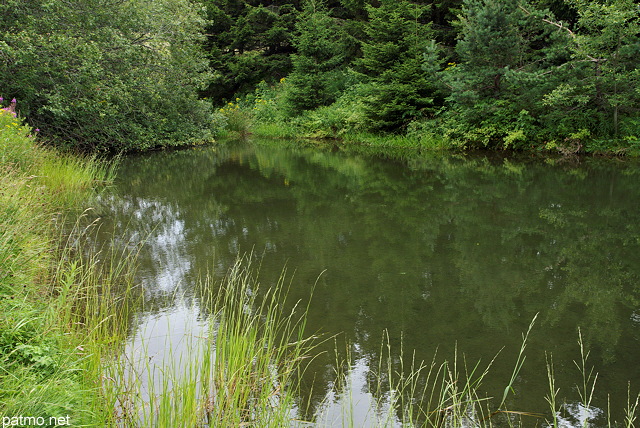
{"x":561,"y":26}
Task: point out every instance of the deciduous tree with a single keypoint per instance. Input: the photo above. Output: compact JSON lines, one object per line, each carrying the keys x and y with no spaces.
{"x":107,"y":74}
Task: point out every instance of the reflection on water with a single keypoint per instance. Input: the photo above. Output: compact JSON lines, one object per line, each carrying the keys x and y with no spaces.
{"x":164,"y":352}
{"x":452,"y":252}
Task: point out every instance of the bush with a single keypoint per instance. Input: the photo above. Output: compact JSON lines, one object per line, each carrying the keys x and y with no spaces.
{"x":107,"y":75}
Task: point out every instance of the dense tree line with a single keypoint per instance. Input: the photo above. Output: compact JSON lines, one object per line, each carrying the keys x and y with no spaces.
{"x":492,"y":73}
{"x":134,"y":74}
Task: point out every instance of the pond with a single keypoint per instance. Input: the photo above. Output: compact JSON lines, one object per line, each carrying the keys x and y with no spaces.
{"x":448,"y":253}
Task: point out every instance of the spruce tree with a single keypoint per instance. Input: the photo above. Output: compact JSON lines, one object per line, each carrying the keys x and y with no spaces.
{"x":597,"y":95}
{"x":490,"y":44}
{"x":397,"y":89}
{"x":318,"y":64}
{"x":247,"y":43}
{"x":506,"y":55}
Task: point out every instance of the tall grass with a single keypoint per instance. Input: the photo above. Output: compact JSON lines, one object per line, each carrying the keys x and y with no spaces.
{"x":259,"y":350}
{"x":240,"y":369}
{"x":584,"y":414}
{"x":41,"y":359}
{"x":275,"y":130}
{"x":410,"y":393}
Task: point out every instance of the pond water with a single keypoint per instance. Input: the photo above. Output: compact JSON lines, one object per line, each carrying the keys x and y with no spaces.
{"x":447,"y":253}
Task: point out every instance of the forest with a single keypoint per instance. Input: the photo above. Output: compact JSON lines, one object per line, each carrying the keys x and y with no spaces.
{"x":131,"y":75}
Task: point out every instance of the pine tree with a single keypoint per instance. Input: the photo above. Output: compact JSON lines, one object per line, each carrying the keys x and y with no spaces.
{"x":506,"y":56}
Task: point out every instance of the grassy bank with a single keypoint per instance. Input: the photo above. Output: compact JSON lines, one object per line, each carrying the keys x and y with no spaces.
{"x":265,"y":121}
{"x":265,"y":114}
{"x":43,"y":348}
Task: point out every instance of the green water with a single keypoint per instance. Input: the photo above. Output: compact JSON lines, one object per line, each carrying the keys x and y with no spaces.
{"x":442,"y":251}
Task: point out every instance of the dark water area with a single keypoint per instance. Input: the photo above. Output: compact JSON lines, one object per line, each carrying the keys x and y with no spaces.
{"x":447,"y":253}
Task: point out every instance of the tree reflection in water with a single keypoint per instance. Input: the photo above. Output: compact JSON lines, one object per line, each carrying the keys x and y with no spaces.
{"x":449,"y":250}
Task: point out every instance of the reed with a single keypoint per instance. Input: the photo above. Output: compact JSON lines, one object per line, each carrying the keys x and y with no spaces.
{"x":241,"y":369}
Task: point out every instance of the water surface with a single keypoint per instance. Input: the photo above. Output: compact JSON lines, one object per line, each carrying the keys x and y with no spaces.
{"x":444,"y":252}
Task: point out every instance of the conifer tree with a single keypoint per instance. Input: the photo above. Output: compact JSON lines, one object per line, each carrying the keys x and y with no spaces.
{"x":506,"y":54}
{"x":490,"y":44}
{"x":318,"y":64}
{"x":398,"y":90}
{"x":247,"y":43}
{"x":598,"y":93}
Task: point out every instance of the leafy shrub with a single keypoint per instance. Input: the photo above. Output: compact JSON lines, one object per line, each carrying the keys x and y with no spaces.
{"x":124,"y":79}
{"x":346,"y":115}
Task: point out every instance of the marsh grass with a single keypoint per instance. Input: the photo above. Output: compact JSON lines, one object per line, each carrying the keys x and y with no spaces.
{"x":259,"y":348}
{"x":631,"y":411}
{"x":240,"y":369}
{"x":406,"y":392}
{"x":70,"y":178}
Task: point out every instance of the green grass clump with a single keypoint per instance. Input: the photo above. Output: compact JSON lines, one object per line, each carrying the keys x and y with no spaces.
{"x":259,"y":350}
{"x":41,"y":358}
{"x":241,"y":370}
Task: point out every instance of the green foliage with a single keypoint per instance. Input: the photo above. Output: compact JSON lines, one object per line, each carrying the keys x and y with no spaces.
{"x":40,"y":359}
{"x":398,"y":90}
{"x":598,"y":92}
{"x":499,"y":74}
{"x":107,"y":75}
{"x":237,"y":120}
{"x":490,"y":102}
{"x":343,"y":117}
{"x":247,"y":44}
{"x":318,"y":75}
{"x":269,"y":101}
{"x":525,"y":79}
